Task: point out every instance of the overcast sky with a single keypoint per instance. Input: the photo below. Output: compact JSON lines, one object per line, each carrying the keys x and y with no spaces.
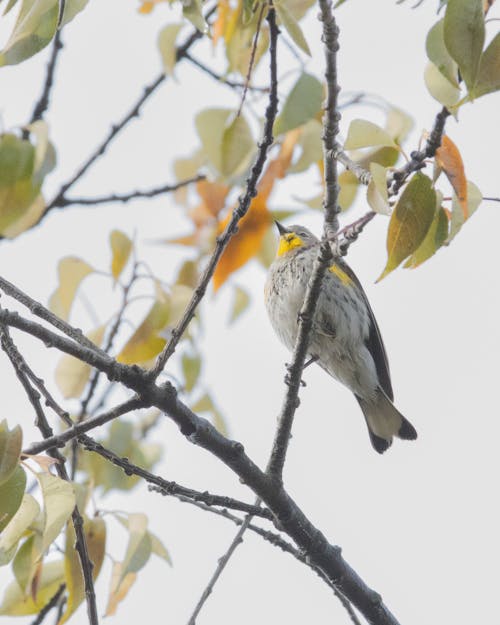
{"x":420,"y":523}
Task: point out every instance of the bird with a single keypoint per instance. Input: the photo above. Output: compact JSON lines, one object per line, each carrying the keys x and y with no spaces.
{"x":345,"y":339}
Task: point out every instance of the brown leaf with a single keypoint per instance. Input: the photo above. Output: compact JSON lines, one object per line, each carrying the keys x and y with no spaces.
{"x":449,"y":159}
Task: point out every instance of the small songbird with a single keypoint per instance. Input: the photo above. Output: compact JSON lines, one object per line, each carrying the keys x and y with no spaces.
{"x":345,"y":340}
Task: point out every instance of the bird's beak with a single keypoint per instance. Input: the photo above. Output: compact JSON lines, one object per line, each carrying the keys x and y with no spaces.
{"x":281,"y":229}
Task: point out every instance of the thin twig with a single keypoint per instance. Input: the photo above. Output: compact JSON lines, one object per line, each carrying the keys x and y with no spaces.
{"x":248,"y":77}
{"x":43,"y":103}
{"x":126,"y":197}
{"x":222,"y":79}
{"x":239,"y":212}
{"x":220,"y":567}
{"x":41,"y":422}
{"x":330,"y":131}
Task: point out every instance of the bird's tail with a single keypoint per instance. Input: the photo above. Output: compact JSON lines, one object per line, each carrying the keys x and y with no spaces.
{"x":385,"y":421}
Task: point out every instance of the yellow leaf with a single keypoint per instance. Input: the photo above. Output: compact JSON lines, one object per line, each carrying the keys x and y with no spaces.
{"x":121,"y":247}
{"x":26,"y":220}
{"x":410,"y":221}
{"x":377,"y":194}
{"x":220,"y":22}
{"x":349,"y":186}
{"x":71,"y":271}
{"x":119,"y":588}
{"x":474,"y":198}
{"x":22,"y":519}
{"x":58,"y":504}
{"x":363,"y":134}
{"x":72,"y":374}
{"x":146,"y":343}
{"x":450,"y":160}
{"x":95,"y":536}
{"x":15,"y":603}
{"x":166,"y":44}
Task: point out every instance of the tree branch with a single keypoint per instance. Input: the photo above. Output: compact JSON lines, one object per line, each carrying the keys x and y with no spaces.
{"x":239,"y":212}
{"x":43,"y":103}
{"x":202,"y":433}
{"x":52,"y":603}
{"x":126,"y":197}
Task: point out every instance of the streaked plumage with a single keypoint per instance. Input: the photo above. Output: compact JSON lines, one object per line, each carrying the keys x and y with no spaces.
{"x":345,"y":336}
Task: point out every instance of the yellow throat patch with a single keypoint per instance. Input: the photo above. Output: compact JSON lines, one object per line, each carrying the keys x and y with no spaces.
{"x":288,"y":242}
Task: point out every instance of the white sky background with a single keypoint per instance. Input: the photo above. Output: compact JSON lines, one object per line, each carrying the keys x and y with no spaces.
{"x":420,"y":523}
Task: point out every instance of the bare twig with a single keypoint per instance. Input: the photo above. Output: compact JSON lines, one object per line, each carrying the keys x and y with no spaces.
{"x":221,"y":565}
{"x":330,"y":131}
{"x":248,"y":77}
{"x":222,"y":79}
{"x":126,"y":197}
{"x":43,"y":103}
{"x":239,"y":212}
{"x":41,"y":422}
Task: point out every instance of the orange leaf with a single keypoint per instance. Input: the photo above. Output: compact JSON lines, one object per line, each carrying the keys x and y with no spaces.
{"x":247,"y":242}
{"x":220,"y":23}
{"x":449,"y":159}
{"x":146,"y":7}
{"x":213,"y":195}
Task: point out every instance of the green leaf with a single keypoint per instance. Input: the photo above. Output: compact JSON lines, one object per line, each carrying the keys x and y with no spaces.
{"x":11,"y":534}
{"x":312,"y":147}
{"x":71,"y":10}
{"x":191,"y":367}
{"x":210,"y":125}
{"x":237,"y":146}
{"x":16,"y":603}
{"x":292,"y":27}
{"x":302,"y":104}
{"x":139,"y":544}
{"x":11,"y":495}
{"x":25,"y":563}
{"x":349,"y":186}
{"x":440,"y":88}
{"x":363,"y":134}
{"x":474,"y":199}
{"x":464,"y":36}
{"x":159,"y":549}
{"x":121,"y":248}
{"x":439,"y":55}
{"x":410,"y":221}
{"x":18,"y":185}
{"x":240,"y":303}
{"x":167,"y":38}
{"x":488,"y":79}
{"x":191,"y":9}
{"x":33,"y":30}
{"x":10,"y":450}
{"x":435,"y":237}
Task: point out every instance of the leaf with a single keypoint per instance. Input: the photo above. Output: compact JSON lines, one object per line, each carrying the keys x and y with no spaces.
{"x":464,"y":37}
{"x":292,"y":27}
{"x":18,"y":187}
{"x":191,"y":367}
{"x":237,"y":146}
{"x":240,"y":304}
{"x":191,"y":9}
{"x":11,"y":495}
{"x":434,"y":239}
{"x":71,"y":272}
{"x":349,"y":186}
{"x":450,"y":160}
{"x":45,"y":156}
{"x":146,"y":342}
{"x":13,"y":531}
{"x":33,"y":30}
{"x":167,"y":38}
{"x":28,"y":219}
{"x":398,"y":124}
{"x":158,"y":548}
{"x":25,"y":564}
{"x":10,"y":450}
{"x":410,"y":221}
{"x":488,"y":79}
{"x":121,"y":247}
{"x":72,"y":374}
{"x":119,"y":587}
{"x":95,"y":537}
{"x":302,"y":104}
{"x":312,"y":148}
{"x":58,"y":504}
{"x":139,"y":544}
{"x":363,"y":134}
{"x":474,"y":199}
{"x":210,"y":125}
{"x":15,"y":603}
{"x":71,"y":10}
{"x":439,"y":55}
{"x":377,"y":193}
{"x":440,"y":88}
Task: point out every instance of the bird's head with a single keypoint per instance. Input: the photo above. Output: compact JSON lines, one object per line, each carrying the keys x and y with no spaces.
{"x":293,"y":237}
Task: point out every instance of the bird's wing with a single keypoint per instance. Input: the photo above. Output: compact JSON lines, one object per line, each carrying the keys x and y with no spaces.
{"x":374,"y":341}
